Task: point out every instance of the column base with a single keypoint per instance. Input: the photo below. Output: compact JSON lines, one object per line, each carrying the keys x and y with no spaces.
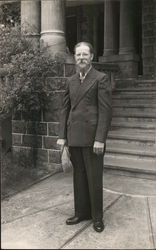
{"x":128,"y":64}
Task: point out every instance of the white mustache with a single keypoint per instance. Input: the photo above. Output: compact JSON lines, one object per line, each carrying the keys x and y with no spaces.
{"x":81,"y":61}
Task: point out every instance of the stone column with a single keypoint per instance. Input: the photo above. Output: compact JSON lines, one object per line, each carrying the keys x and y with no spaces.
{"x":110,"y":28}
{"x":30,"y":19}
{"x":127,"y":36}
{"x":95,"y":31}
{"x":53,"y":25}
{"x":149,"y":38}
{"x":111,"y":34}
{"x":128,"y":59}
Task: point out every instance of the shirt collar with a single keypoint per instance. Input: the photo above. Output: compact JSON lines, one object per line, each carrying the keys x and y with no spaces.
{"x":82,"y":77}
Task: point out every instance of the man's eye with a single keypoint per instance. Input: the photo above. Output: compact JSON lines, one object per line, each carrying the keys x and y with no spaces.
{"x":84,"y":54}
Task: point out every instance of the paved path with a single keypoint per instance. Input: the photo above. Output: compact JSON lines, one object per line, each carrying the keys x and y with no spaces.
{"x":35,"y":218}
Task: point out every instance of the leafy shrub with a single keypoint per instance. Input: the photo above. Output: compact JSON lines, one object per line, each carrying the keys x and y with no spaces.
{"x":23,"y":71}
{"x":10,"y":13}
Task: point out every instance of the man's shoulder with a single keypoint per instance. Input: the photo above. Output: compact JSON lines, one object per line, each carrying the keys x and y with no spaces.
{"x":100,"y":74}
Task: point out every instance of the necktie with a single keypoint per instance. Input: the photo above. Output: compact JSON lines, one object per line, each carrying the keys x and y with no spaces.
{"x":84,"y":74}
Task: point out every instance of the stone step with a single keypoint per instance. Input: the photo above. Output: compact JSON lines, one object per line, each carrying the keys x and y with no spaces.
{"x":131,"y":135}
{"x":130,"y":163}
{"x":132,"y":130}
{"x":134,"y":119}
{"x":145,"y":85}
{"x":129,"y":173}
{"x":134,"y":105}
{"x":136,"y":143}
{"x":139,"y":125}
{"x":141,"y":89}
{"x":145,"y":109}
{"x":135,"y":112}
{"x":132,"y":91}
{"x":130,"y":148}
{"x":144,"y":82}
{"x":135,"y":96}
{"x":135,"y":83}
{"x":131,"y":143}
{"x":134,"y":102}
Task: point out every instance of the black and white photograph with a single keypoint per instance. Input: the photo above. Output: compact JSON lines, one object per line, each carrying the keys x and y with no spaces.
{"x":78,"y":124}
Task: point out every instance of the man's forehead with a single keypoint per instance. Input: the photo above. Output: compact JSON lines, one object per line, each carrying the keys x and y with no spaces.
{"x":82,"y":48}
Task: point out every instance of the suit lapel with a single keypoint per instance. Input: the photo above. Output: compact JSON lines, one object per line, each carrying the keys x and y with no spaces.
{"x":85,"y":86}
{"x":75,"y":84}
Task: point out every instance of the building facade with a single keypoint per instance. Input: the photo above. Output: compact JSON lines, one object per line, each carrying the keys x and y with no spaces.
{"x":122,"y":32}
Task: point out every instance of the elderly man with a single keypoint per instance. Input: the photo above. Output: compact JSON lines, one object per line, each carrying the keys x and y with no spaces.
{"x":84,"y":123}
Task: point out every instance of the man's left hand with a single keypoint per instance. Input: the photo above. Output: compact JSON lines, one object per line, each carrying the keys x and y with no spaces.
{"x":98,"y":147}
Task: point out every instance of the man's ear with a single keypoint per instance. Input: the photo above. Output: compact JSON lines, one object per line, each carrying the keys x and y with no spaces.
{"x":92,"y":56}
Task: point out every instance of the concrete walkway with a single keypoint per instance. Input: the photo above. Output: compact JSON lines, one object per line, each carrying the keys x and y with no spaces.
{"x":35,"y":218}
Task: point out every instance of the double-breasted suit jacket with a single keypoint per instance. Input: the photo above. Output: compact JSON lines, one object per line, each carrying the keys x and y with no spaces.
{"x":86,"y":109}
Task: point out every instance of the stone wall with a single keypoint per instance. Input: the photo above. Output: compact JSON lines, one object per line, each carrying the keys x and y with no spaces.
{"x":34,"y":140}
{"x":148,"y":37}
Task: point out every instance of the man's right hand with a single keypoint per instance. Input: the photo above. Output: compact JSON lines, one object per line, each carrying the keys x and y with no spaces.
{"x":61,"y":143}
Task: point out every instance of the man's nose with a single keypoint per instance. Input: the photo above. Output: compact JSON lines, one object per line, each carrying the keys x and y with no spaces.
{"x":81,"y":56}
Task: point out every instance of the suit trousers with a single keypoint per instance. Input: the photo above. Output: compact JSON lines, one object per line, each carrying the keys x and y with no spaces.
{"x":87,"y":182}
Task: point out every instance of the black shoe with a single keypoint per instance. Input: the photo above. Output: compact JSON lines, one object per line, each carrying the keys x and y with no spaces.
{"x":98,"y":226}
{"x":75,"y":220}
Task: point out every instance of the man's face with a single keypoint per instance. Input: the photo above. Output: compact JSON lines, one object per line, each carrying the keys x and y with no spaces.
{"x":83,"y":57}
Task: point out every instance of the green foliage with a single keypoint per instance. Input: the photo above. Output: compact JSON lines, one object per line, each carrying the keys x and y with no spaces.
{"x":11,"y":43}
{"x":10,"y":13}
{"x":25,"y":67}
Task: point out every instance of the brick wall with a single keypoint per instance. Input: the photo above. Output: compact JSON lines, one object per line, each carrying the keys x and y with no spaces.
{"x":34,"y":142}
{"x":148,"y":37}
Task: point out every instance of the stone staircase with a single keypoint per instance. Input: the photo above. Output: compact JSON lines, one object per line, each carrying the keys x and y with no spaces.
{"x":131,"y":143}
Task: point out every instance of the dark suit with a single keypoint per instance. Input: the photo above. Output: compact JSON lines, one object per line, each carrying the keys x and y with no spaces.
{"x":85,"y":118}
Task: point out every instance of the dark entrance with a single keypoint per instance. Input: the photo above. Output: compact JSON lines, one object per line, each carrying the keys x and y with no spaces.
{"x":85,"y":23}
{"x":138,"y":34}
{"x":71,"y":32}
